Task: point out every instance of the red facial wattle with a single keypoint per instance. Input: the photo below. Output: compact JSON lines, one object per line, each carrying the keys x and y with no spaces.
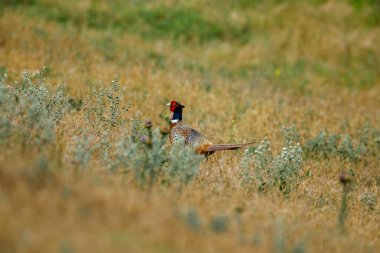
{"x":173,"y":105}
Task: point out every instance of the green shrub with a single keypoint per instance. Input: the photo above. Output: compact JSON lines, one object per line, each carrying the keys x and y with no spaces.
{"x":30,"y":110}
{"x":81,"y":149}
{"x":192,"y":219}
{"x":287,"y":166}
{"x":261,"y":169}
{"x":183,"y":164}
{"x":255,"y":165}
{"x":325,"y":145}
{"x":219,"y":223}
{"x":103,"y":107}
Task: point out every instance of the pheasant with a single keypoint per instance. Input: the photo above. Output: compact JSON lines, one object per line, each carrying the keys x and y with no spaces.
{"x":181,"y":133}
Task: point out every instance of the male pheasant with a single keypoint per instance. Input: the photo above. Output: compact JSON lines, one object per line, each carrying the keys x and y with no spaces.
{"x":180,"y":133}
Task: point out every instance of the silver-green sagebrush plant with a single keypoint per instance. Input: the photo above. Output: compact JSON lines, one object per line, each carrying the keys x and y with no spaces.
{"x":103,"y":113}
{"x":145,"y":160}
{"x":255,"y":165}
{"x":323,"y":145}
{"x":290,"y":134}
{"x":286,"y":166}
{"x":30,"y":110}
{"x":104,"y":107}
{"x":344,"y":146}
{"x":262,"y":169}
{"x":183,"y":164}
{"x":81,"y":149}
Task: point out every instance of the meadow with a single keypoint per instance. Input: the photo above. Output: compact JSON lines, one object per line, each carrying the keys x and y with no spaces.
{"x":85,"y":165}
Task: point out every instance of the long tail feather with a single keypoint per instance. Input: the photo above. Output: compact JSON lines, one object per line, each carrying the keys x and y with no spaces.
{"x":220,"y":147}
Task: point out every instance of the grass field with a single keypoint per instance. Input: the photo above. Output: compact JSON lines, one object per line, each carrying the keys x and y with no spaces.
{"x":80,"y":171}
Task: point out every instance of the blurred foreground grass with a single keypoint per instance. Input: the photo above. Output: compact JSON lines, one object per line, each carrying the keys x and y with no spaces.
{"x":300,"y":71}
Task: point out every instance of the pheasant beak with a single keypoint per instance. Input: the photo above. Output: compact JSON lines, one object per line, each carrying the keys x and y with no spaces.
{"x":168,"y":104}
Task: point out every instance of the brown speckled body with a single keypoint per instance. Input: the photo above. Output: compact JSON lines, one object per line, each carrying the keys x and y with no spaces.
{"x":180,"y":133}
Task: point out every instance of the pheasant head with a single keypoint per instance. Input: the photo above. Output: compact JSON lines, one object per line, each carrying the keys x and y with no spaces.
{"x":176,"y":108}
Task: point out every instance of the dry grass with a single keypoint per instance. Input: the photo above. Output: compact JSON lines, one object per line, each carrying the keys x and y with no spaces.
{"x":233,"y":91}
